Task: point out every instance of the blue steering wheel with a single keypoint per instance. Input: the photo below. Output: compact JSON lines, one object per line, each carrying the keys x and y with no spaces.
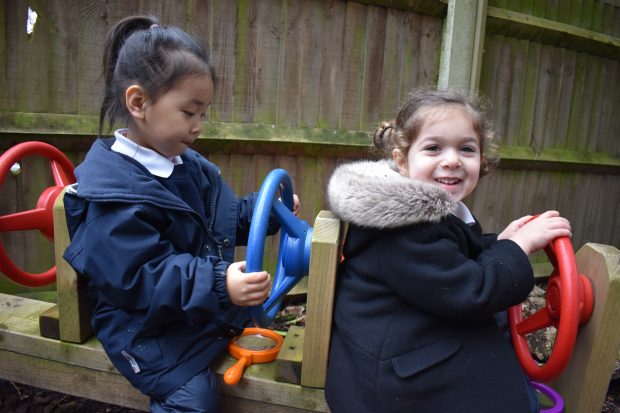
{"x":295,"y":242}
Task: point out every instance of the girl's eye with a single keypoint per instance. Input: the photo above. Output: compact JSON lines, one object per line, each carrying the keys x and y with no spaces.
{"x":203,"y":115}
{"x":470,"y":149}
{"x":188,"y":113}
{"x":432,"y":148}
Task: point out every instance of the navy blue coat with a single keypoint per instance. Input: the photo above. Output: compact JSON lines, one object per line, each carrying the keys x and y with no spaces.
{"x":414,"y":325}
{"x":156,"y":266}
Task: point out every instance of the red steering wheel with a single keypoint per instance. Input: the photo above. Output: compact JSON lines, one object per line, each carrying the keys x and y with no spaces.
{"x":42,"y":217}
{"x":569,"y":303}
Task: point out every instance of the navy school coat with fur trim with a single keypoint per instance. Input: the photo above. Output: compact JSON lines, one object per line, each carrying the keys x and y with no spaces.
{"x":155,"y":266}
{"x":414,"y":327}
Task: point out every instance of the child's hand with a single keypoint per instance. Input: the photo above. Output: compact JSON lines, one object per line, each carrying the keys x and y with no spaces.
{"x":537,"y":233}
{"x":513,"y":227}
{"x":296,"y":205}
{"x":247,"y":289}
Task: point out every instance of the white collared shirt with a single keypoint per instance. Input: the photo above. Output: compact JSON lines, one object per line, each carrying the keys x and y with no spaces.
{"x":154,"y":162}
{"x":464,"y":214}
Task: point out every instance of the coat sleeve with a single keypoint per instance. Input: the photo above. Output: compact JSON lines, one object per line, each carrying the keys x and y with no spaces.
{"x":246,"y":209}
{"x":426,"y":268}
{"x":134,"y":269}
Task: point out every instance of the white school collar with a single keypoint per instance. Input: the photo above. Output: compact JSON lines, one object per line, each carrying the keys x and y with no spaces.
{"x":155,"y":163}
{"x":464,"y":214}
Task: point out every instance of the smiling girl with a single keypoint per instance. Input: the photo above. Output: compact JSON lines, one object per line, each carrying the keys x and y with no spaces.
{"x":420,"y":286}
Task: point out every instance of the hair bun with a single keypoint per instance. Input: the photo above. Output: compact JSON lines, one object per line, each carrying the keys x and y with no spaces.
{"x":382,"y":134}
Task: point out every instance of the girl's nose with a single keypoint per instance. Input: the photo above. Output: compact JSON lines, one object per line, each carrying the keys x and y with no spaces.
{"x":451,"y":159}
{"x":197,"y":127}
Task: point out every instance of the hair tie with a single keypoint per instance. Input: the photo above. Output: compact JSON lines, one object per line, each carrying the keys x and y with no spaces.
{"x":154,"y":26}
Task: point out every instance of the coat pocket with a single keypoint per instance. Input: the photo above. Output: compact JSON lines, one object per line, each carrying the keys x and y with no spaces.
{"x":408,"y":364}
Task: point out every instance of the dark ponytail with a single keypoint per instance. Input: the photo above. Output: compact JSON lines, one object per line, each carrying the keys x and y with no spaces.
{"x":139,"y":51}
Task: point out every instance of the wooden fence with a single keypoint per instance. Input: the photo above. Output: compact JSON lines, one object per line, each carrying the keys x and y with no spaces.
{"x":302,"y":82}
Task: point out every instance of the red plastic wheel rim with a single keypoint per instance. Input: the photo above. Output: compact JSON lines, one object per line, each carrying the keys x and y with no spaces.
{"x":40,"y":218}
{"x":569,"y":304}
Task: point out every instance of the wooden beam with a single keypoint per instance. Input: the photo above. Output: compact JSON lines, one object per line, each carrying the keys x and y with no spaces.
{"x":462,"y":45}
{"x":584,"y":383}
{"x":74,"y":308}
{"x":324,"y":259}
{"x":524,"y":26}
{"x":435,"y":8}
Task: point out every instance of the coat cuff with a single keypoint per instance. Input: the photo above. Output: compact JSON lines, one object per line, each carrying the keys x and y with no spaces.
{"x":220,"y":283}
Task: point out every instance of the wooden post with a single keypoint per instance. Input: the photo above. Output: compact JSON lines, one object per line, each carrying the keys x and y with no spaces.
{"x":74,"y":308}
{"x":584,"y":383}
{"x":462,"y":45}
{"x":324,"y":259}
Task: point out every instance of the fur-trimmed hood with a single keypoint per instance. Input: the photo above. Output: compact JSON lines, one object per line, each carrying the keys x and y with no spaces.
{"x":374,"y":195}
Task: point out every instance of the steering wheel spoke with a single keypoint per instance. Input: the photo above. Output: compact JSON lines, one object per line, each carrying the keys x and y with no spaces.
{"x":538,"y":321}
{"x":23,"y":221}
{"x":42,"y":217}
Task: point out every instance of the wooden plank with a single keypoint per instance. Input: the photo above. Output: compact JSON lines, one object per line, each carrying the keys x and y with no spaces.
{"x":95,"y":19}
{"x":74,"y":305}
{"x":290,"y":356}
{"x":391,"y":73}
{"x":430,"y":49}
{"x":312,"y":45}
{"x":554,"y":70}
{"x":291,"y":36}
{"x":245,"y":62}
{"x":331,"y":94}
{"x":409,"y":50}
{"x":609,"y":107}
{"x":69,"y":379}
{"x":4,"y":80}
{"x":577,"y":105}
{"x":541,"y":103}
{"x":478,"y":45}
{"x":590,"y":124}
{"x":567,"y":83}
{"x":373,"y":67}
{"x":269,"y":35}
{"x":584,"y":383}
{"x":224,"y":58}
{"x":324,"y":258}
{"x":63,"y":49}
{"x":428,"y":7}
{"x":551,"y":12}
{"x":559,"y":33}
{"x":519,"y":52}
{"x":353,"y":65}
{"x":530,"y":95}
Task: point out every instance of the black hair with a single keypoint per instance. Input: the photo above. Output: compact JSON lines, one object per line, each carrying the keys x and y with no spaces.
{"x":139,"y":51}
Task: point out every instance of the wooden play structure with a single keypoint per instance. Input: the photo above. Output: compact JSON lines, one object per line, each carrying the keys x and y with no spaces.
{"x":51,"y":346}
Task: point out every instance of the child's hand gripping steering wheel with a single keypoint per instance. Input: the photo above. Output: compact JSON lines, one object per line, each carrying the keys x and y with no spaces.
{"x":42,"y":217}
{"x":569,"y":304}
{"x":295,"y":241}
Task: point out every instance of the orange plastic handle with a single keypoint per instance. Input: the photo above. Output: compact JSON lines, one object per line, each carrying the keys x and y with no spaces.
{"x":234,"y":373}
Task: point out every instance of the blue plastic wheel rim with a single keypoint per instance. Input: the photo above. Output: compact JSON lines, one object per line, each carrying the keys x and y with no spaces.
{"x":295,"y":240}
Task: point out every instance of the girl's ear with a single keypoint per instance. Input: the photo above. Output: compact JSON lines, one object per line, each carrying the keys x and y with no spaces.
{"x":401,"y":161}
{"x":135,"y":100}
